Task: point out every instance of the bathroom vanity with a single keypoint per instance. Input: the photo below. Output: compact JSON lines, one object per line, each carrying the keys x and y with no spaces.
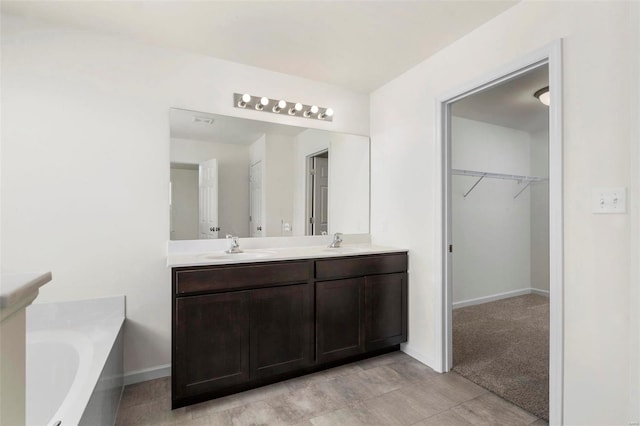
{"x":243,"y":323}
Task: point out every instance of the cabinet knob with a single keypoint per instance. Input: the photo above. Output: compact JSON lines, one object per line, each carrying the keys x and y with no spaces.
{"x":259,"y":228}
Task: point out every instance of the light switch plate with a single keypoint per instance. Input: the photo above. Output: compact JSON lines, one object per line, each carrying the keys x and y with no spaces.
{"x":609,"y":200}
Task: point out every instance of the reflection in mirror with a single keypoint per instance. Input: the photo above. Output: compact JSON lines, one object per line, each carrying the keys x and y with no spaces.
{"x":251,"y":178}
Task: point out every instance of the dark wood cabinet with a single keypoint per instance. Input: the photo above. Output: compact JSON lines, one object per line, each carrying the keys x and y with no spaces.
{"x":339,"y":318}
{"x":385,"y":310}
{"x":281,"y":329}
{"x":245,"y":325}
{"x":211,"y":342}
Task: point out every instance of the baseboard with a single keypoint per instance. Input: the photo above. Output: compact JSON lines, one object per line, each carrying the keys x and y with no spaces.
{"x":147,"y":374}
{"x":499,"y":296}
{"x":407,"y":349}
{"x":544,"y":293}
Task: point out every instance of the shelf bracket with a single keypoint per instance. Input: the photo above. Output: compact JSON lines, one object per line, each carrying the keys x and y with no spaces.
{"x":522,"y":190}
{"x":474,"y":185}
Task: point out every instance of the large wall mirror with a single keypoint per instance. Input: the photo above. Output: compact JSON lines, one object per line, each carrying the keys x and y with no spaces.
{"x":251,"y":178}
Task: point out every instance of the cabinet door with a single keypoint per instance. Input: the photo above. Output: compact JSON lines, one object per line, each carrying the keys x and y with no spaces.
{"x":281,"y":329}
{"x":339,"y":318}
{"x":385,"y":310}
{"x":211,"y":342}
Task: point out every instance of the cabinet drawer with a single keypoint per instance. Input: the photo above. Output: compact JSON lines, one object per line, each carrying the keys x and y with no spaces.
{"x":361,"y":265}
{"x":226,"y":278}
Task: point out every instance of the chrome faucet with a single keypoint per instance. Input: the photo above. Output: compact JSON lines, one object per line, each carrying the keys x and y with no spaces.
{"x":234,"y":247}
{"x":337,"y":240}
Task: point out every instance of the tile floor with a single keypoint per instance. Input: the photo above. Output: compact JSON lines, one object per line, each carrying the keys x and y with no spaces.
{"x":392,"y":389}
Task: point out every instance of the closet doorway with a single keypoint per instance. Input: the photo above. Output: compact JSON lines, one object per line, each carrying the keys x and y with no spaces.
{"x":499,"y":153}
{"x":446,"y":248}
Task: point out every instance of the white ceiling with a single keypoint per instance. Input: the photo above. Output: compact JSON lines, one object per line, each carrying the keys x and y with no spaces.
{"x":511,"y":104}
{"x":223,"y":129}
{"x":355,"y":44}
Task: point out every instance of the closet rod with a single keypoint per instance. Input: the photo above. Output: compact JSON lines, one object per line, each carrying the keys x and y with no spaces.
{"x":498,"y":175}
{"x":482,"y":175}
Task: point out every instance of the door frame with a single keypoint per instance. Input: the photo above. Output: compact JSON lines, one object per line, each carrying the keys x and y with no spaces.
{"x":550,"y":54}
{"x":252,"y":220}
{"x":310,"y":228}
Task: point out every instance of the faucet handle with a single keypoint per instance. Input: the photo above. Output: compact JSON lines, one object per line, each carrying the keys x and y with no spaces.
{"x":337,"y":240}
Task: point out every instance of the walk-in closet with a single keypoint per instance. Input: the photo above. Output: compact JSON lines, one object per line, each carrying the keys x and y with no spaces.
{"x":499,"y":202}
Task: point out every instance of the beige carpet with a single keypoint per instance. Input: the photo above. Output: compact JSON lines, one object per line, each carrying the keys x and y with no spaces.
{"x":503,"y":346}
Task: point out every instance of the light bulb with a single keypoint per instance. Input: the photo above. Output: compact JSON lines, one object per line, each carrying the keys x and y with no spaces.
{"x":314,"y":109}
{"x":281,"y":104}
{"x":294,"y":109}
{"x":327,"y":113}
{"x":246,"y":98}
{"x":264,"y":101}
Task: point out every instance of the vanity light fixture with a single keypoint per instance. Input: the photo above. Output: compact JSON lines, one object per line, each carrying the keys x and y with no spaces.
{"x":258,"y":103}
{"x":543,"y":96}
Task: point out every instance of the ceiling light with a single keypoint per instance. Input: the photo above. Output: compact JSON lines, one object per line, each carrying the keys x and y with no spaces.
{"x":202,"y":120}
{"x":543,"y":95}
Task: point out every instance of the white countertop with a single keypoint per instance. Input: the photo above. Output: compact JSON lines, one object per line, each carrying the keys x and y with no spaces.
{"x":219,"y":257}
{"x":19,"y":289}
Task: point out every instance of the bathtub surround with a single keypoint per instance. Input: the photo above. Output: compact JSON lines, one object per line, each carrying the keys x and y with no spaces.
{"x":17,"y":291}
{"x":83,"y":339}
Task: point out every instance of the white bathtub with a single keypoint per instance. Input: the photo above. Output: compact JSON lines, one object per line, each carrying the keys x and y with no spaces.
{"x":74,"y":362}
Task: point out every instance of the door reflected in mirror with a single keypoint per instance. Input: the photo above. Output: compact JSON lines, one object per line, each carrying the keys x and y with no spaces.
{"x":251,"y":178}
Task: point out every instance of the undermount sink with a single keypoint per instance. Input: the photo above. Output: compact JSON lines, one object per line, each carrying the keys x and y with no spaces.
{"x":240,"y":256}
{"x":346,"y":249}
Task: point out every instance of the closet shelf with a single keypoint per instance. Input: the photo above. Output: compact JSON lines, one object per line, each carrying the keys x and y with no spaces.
{"x":519,"y":178}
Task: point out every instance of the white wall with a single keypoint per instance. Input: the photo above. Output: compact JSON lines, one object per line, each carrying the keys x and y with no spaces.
{"x":348,"y":203}
{"x":597,"y":129}
{"x":278,"y":184}
{"x":491,"y":229}
{"x":539,"y":196}
{"x":233,"y":180}
{"x":634,"y":209}
{"x":85,"y":160}
{"x":348,"y":184}
{"x":184,"y":204}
